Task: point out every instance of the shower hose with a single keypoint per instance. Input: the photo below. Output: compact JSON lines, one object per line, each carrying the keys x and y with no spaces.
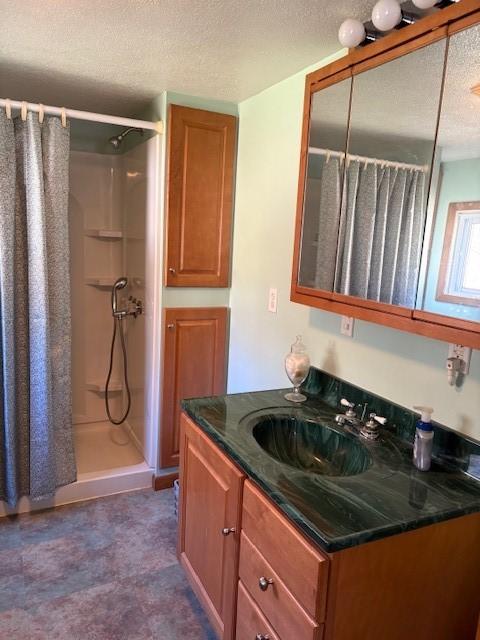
{"x":117,"y":321}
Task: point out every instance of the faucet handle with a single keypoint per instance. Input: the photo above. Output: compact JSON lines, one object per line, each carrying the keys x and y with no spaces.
{"x":370,"y":430}
{"x":350,"y":412}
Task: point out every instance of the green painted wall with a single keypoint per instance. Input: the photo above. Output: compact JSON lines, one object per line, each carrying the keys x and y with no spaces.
{"x":460,"y":183}
{"x":407,"y":369}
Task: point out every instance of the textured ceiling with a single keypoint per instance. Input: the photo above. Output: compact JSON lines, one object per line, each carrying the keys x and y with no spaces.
{"x":116,"y":55}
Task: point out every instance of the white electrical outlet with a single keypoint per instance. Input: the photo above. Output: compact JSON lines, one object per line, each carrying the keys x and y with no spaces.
{"x":272,"y":300}
{"x":346,"y":326}
{"x":463,"y":353}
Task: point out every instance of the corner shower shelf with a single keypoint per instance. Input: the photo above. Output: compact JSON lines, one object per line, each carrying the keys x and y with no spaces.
{"x":104,"y":233}
{"x":100,"y":282}
{"x":99,"y":386}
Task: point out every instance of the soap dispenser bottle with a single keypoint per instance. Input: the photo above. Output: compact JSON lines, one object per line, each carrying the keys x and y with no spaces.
{"x":422,"y":448}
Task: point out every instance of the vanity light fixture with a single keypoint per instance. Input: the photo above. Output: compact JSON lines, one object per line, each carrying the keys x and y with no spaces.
{"x":476,"y":90}
{"x":429,"y":4}
{"x":351,"y":33}
{"x":425,"y":4}
{"x":386,"y":15}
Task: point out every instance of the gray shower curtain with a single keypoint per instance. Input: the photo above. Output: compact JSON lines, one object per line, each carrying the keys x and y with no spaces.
{"x":36,"y":437}
{"x":381,"y":232}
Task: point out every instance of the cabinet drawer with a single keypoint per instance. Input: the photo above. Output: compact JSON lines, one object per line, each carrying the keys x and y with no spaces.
{"x":250,"y":621}
{"x":277,"y":603}
{"x":303,"y":570}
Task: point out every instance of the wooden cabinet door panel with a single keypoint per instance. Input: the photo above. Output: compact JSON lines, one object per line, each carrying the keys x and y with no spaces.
{"x":210,"y":500}
{"x":201,"y":153}
{"x":194,"y":366}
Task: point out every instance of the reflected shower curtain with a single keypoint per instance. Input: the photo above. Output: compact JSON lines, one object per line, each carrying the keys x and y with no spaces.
{"x":36,"y":437}
{"x":381,"y":230}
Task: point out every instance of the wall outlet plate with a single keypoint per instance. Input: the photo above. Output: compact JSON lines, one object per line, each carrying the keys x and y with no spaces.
{"x":346,"y":326}
{"x":464,"y":353}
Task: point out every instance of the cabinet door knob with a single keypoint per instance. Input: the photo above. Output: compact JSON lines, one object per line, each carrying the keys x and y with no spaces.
{"x":264,"y":583}
{"x":170,"y":326}
{"x":172,"y":271}
{"x":261,"y":636}
{"x":228,"y":530}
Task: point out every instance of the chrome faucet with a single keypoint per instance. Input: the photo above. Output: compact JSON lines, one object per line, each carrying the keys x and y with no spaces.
{"x":368,"y":430}
{"x":349,"y":416}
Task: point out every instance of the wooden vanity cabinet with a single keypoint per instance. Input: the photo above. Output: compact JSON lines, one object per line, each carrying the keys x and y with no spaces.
{"x":266,"y":580}
{"x":209,"y":525}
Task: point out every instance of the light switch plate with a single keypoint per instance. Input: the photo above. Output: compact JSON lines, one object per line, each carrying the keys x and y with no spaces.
{"x":346,"y":326}
{"x":272,"y":299}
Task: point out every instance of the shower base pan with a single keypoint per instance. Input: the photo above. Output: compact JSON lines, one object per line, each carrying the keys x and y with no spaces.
{"x":125,"y":469}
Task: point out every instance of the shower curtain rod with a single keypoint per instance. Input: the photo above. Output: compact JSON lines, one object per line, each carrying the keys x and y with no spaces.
{"x":385,"y":163}
{"x":84,"y":115}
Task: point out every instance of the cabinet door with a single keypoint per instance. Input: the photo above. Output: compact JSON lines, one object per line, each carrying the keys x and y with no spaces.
{"x":210,"y":501}
{"x":194,"y":366}
{"x":201,"y":152}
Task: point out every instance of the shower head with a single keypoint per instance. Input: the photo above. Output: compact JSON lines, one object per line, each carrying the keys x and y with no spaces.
{"x":116,"y":141}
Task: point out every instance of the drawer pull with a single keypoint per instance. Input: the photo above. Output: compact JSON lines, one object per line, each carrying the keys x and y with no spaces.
{"x":261,"y":636}
{"x":228,"y":530}
{"x":264,"y":583}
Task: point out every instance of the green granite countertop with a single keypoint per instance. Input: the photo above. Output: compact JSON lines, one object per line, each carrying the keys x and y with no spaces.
{"x":384,"y":496}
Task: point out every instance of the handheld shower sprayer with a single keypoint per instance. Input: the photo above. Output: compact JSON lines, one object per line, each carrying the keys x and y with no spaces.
{"x":121,"y":283}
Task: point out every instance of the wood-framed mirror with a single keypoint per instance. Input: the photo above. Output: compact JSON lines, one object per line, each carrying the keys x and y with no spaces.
{"x":377,"y":129}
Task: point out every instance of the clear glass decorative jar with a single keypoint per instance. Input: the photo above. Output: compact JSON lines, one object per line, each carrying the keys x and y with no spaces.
{"x":297,"y":366}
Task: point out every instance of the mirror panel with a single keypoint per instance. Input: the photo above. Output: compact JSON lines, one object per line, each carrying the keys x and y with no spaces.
{"x":323,"y":185}
{"x":450,"y":283}
{"x":391,"y":141}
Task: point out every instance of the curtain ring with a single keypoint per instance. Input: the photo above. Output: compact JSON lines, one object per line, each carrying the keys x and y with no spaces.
{"x":64,"y":117}
{"x":41,"y":113}
{"x":8,"y":109}
{"x":23,"y":111}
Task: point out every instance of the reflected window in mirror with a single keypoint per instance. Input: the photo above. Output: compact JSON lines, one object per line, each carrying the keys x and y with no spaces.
{"x":391,"y":142}
{"x":450,"y":270}
{"x":459,"y":279}
{"x":323,"y":185}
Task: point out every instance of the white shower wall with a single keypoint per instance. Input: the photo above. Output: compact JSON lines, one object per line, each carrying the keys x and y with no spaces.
{"x":134,"y":201}
{"x":107,"y":193}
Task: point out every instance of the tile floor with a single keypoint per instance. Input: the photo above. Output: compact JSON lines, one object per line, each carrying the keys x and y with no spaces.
{"x":99,"y":570}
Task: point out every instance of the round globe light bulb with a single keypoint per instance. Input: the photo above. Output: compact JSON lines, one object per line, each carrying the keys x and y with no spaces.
{"x":425,"y":4}
{"x":386,"y":14}
{"x":351,"y":33}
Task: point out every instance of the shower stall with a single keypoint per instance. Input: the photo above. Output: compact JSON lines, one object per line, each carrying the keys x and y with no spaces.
{"x":115,"y":237}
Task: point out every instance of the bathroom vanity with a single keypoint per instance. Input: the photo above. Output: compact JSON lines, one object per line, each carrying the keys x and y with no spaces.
{"x":293,"y":527}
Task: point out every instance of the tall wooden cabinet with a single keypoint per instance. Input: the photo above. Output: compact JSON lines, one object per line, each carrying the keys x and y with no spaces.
{"x":210,"y":526}
{"x":195,"y":344}
{"x":200,"y":162}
